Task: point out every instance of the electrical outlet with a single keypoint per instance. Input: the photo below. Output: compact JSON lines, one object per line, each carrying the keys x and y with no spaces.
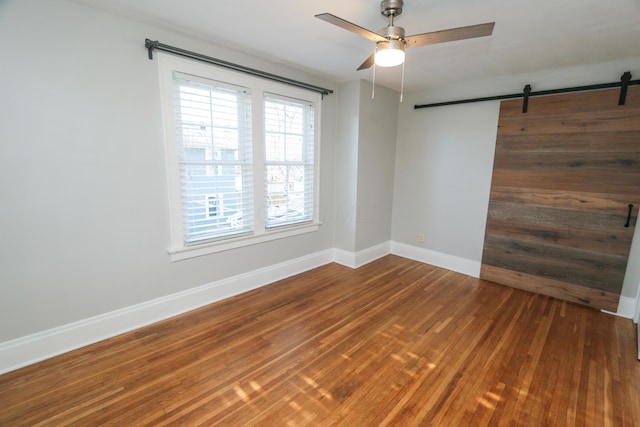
{"x":421,"y":237}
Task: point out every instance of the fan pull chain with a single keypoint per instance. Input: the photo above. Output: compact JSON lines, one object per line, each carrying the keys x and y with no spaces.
{"x":373,"y":89}
{"x":402,"y":83}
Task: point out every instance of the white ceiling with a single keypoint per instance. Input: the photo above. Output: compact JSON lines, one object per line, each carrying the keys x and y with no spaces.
{"x":529,"y":35}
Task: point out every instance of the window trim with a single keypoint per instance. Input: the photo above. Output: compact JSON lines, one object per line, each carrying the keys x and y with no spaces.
{"x":179,"y":250}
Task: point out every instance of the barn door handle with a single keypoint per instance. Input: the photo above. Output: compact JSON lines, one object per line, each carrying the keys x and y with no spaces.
{"x":629,"y":216}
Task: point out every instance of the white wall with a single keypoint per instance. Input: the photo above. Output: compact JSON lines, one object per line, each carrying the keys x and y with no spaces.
{"x":367,"y":130}
{"x":346,"y":166}
{"x":444,"y":162}
{"x":378,"y":122}
{"x":443,"y":176}
{"x":83,"y":217}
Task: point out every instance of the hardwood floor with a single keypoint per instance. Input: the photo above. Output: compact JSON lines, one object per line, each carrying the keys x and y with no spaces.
{"x":395,"y":342}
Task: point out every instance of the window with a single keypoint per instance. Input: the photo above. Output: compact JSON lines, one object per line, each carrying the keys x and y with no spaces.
{"x":289,"y":173}
{"x":213,"y":134}
{"x":241,"y":157}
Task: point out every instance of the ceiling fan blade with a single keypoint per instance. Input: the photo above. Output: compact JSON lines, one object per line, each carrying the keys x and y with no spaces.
{"x":470,"y":32}
{"x":332,"y":19}
{"x":367,"y":62}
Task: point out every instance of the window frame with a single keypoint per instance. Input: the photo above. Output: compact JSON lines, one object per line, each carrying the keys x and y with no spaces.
{"x":259,"y":89}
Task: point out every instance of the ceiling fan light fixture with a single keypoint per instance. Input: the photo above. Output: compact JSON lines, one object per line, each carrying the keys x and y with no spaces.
{"x":391,"y":41}
{"x":389,"y":53}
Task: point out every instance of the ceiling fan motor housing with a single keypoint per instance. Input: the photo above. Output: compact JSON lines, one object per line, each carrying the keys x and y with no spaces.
{"x":391,"y":7}
{"x":392,"y":32}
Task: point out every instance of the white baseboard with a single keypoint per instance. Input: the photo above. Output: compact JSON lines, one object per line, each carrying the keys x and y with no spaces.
{"x":360,"y":258}
{"x":346,"y":258}
{"x":438,"y":259}
{"x":626,"y":308}
{"x":636,"y":317}
{"x":30,"y":349}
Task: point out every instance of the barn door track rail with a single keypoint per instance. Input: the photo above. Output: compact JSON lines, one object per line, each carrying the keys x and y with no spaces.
{"x":623,"y":84}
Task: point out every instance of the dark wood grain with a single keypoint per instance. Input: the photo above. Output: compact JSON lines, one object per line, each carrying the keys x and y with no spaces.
{"x":548,"y":286}
{"x":561,"y":199}
{"x":578,"y":266}
{"x":582,"y":142}
{"x":564,"y":176}
{"x":561,"y":123}
{"x":570,"y":228}
{"x":578,"y":102}
{"x":393,"y":343}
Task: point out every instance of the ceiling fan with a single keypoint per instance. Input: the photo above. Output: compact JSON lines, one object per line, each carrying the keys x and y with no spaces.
{"x":391,"y":41}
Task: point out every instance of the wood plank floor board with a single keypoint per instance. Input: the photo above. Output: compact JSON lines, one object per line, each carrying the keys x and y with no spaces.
{"x":395,"y":342}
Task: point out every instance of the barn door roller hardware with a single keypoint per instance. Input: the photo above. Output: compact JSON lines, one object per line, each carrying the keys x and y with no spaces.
{"x":626,"y":79}
{"x":623,"y":84}
{"x":629,"y":216}
{"x":525,"y":102}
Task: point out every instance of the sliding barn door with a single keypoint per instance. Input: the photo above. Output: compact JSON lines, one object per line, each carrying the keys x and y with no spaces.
{"x":565,"y":196}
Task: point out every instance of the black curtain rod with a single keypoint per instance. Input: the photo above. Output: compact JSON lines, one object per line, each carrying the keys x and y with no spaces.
{"x":151,"y":45}
{"x":625,"y":81}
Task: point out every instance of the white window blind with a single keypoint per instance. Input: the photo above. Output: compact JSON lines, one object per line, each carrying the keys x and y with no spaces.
{"x":289,"y":160}
{"x":213,"y":133}
{"x":242,"y":158}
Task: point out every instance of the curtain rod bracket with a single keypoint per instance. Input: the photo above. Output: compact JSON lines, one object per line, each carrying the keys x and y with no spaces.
{"x":525,"y":102}
{"x":625,"y":79}
{"x":150,"y":45}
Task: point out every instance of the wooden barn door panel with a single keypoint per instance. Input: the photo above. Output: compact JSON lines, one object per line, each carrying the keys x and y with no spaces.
{"x":564,"y":175}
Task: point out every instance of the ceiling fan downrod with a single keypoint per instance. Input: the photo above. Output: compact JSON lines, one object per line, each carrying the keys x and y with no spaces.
{"x":391,"y":9}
